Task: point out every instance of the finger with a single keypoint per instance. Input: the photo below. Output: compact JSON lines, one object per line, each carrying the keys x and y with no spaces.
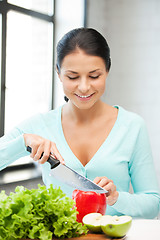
{"x":46,"y":152}
{"x":39,"y":153}
{"x":56,"y":153}
{"x":34,"y":151}
{"x":110,"y":187}
{"x":112,"y":199}
{"x":103,"y":182}
{"x":97,"y":180}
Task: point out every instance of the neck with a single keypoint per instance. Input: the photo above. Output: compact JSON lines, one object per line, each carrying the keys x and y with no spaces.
{"x":84,"y":115}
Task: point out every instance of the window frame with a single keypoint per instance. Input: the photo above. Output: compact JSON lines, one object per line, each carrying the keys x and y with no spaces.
{"x":4,"y":8}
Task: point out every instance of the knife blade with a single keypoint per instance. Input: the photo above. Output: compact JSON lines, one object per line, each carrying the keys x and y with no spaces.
{"x":70,"y":177}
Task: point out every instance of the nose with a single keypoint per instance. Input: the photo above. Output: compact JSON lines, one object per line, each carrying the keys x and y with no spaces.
{"x":84,"y":85}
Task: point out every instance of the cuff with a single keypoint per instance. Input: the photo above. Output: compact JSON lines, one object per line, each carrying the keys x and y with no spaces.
{"x":121,"y":204}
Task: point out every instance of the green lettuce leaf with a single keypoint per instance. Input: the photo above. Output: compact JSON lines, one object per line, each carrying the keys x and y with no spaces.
{"x":38,"y":214}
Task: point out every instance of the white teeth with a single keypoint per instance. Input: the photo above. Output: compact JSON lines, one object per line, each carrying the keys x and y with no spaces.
{"x":84,"y":96}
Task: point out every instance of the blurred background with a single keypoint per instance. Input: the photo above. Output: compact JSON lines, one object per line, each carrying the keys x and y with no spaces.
{"x":29,"y":32}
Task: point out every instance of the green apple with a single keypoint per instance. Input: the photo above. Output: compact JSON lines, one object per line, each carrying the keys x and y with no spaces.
{"x":93,"y":221}
{"x":114,"y":226}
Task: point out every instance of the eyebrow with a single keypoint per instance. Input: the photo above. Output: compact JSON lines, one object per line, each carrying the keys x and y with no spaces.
{"x":71,"y":71}
{"x":94,"y":70}
{"x":77,"y":72}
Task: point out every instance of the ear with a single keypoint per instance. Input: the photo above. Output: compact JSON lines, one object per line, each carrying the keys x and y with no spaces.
{"x":57,"y":69}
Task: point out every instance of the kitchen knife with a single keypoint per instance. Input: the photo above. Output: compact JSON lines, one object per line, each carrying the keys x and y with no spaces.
{"x":71,"y":177}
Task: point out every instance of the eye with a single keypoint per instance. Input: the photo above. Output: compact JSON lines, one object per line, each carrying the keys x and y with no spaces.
{"x":72,"y":78}
{"x":94,"y":77}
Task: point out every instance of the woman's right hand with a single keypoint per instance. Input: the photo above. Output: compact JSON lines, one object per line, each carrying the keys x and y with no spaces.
{"x":41,"y":145}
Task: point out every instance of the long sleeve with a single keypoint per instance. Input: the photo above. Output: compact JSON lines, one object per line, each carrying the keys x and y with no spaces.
{"x":142,"y":205}
{"x":12,"y":147}
{"x":145,"y":201}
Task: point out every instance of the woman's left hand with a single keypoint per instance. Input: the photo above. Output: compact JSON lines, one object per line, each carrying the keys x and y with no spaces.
{"x":107,"y":184}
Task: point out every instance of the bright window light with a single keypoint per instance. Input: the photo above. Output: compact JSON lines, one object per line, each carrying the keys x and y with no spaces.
{"x":43,"y":6}
{"x":28,"y":68}
{"x":69,"y":15}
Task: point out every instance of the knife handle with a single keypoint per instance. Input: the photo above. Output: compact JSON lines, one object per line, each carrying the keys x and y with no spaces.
{"x":53,"y":162}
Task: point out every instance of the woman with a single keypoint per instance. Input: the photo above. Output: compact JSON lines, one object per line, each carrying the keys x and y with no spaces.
{"x":105,"y":143}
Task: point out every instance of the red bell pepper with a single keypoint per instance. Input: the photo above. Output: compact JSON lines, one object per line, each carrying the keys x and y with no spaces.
{"x":88,"y":202}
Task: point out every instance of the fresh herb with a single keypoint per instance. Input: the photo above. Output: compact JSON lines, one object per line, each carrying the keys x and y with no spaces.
{"x":38,"y":214}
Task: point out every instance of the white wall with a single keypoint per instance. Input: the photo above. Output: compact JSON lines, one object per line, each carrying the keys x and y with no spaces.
{"x":132,"y":29}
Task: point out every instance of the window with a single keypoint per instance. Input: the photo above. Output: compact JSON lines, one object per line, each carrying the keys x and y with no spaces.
{"x":28,"y":67}
{"x":43,"y":6}
{"x":26,"y":45}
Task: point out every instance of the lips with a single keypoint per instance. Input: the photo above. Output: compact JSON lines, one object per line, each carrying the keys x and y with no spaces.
{"x":84,"y":97}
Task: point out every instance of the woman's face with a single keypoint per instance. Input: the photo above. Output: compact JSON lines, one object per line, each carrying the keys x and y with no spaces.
{"x":83,"y":77}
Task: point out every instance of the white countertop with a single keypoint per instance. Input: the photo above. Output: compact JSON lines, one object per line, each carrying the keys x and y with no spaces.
{"x":144,"y":229}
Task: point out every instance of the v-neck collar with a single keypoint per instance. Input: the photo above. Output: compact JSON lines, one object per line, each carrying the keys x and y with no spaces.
{"x":101,"y":148}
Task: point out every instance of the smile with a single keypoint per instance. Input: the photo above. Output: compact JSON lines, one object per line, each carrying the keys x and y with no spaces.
{"x":86,"y":96}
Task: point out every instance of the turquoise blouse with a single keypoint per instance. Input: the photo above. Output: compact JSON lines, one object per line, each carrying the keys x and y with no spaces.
{"x":125,"y":157}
